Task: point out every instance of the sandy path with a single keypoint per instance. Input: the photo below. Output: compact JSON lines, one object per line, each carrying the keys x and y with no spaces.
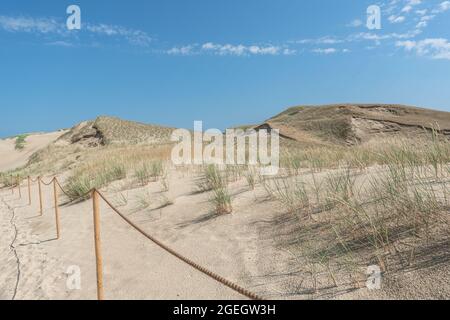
{"x":9,"y":266}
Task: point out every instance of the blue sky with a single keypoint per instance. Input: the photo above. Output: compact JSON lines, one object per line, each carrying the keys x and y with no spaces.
{"x":225,"y":62}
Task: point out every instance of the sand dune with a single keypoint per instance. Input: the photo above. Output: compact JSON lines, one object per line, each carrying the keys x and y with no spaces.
{"x":275,"y":242}
{"x":244,"y":247}
{"x":12,"y":158}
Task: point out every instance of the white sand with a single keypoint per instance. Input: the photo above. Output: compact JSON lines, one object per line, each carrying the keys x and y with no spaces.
{"x":245,"y":247}
{"x":134,"y":267}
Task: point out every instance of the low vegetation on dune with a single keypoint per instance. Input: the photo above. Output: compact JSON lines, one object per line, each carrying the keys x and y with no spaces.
{"x":7,"y":179}
{"x":352,"y":199}
{"x":216,"y":181}
{"x":20,"y":141}
{"x":110,"y":130}
{"x":144,"y":164}
{"x":386,"y":206}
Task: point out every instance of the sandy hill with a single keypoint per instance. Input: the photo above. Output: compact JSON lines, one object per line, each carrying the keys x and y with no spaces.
{"x":110,"y":130}
{"x":12,"y":157}
{"x":355,"y":123}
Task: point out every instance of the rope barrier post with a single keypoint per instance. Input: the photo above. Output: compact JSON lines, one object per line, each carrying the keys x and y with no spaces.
{"x":29,"y":191}
{"x":12,"y":184}
{"x":98,"y":254}
{"x":41,"y":211}
{"x":18,"y":185}
{"x":55,"y":193}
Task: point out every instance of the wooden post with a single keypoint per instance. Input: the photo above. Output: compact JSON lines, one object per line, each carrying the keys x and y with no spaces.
{"x":55,"y":193}
{"x":12,"y":184}
{"x":29,"y":191}
{"x":41,"y":210}
{"x":18,"y":186}
{"x":98,"y":253}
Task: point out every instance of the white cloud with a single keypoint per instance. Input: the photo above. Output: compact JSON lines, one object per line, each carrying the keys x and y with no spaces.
{"x":414,"y":2}
{"x":241,"y":50}
{"x":289,"y":52}
{"x":30,"y":25}
{"x":423,"y":22}
{"x":184,"y":51}
{"x":52,"y":26}
{"x":231,"y":50}
{"x":444,"y":6}
{"x":321,"y":40}
{"x":387,"y":36}
{"x":136,"y":37}
{"x":407,"y":8}
{"x":396,"y":19}
{"x":61,"y":44}
{"x":422,"y":12}
{"x":325,"y":51}
{"x":355,"y":23}
{"x":436,"y":48}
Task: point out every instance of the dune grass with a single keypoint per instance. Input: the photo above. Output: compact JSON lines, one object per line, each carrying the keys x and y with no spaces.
{"x":367,"y":205}
{"x":214,"y":180}
{"x":20,"y":142}
{"x":84,"y":179}
{"x":116,"y":163}
{"x":146,"y":172}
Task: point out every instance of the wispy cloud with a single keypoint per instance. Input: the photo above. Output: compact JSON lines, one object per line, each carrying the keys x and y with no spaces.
{"x":65,"y":44}
{"x":396,"y":19}
{"x":355,"y":23}
{"x":327,"y":51}
{"x":30,"y":25}
{"x":231,"y":50}
{"x":443,"y":6}
{"x":136,"y":37}
{"x":56,"y":28}
{"x":183,"y":51}
{"x":408,"y":20}
{"x":437,"y":48}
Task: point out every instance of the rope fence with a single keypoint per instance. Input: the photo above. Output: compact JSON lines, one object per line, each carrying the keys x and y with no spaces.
{"x":96,"y":196}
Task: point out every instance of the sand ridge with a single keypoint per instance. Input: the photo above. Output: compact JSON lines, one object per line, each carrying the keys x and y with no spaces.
{"x":11,"y":158}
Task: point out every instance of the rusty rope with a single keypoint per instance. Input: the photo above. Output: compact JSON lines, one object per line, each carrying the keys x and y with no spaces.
{"x":64,"y":191}
{"x":47,"y":184}
{"x":33,"y":181}
{"x":207,"y":272}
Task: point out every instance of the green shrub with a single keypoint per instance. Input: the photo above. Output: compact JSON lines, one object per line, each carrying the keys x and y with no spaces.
{"x":20,"y":141}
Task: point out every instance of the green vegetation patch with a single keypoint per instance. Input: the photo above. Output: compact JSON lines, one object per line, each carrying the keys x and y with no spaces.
{"x":20,"y":141}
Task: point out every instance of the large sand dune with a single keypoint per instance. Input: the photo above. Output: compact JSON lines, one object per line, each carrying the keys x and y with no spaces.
{"x":293,"y":236}
{"x":11,"y":158}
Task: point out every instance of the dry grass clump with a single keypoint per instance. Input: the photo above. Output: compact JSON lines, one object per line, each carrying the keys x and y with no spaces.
{"x":251,"y":177}
{"x":433,"y":150}
{"x":358,"y":215}
{"x":115,"y":130}
{"x":290,"y":192}
{"x":216,"y":181}
{"x":7,"y":180}
{"x":95,"y":176}
{"x":96,"y":168}
{"x":149,"y":171}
